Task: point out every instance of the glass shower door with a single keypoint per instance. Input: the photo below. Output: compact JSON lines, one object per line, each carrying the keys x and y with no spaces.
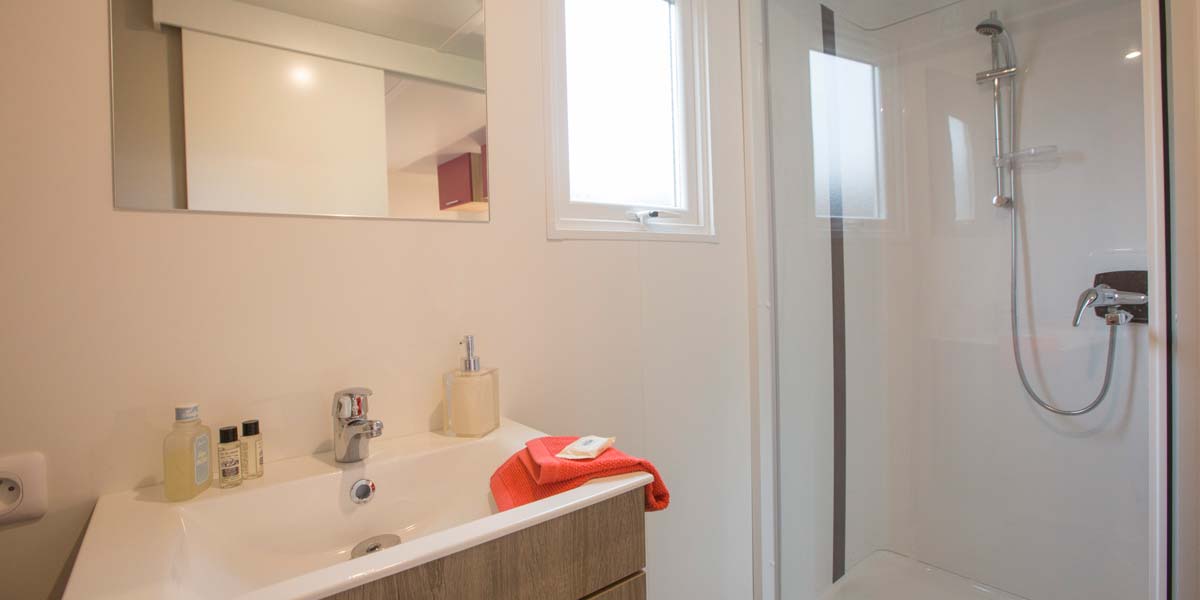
{"x":912,"y":462}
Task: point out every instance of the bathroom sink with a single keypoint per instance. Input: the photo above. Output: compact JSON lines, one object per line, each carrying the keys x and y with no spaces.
{"x":294,"y":533}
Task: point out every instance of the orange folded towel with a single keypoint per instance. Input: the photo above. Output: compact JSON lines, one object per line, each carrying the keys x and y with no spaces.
{"x":535,"y":473}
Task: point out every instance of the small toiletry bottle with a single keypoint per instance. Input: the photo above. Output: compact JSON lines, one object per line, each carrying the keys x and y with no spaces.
{"x":229,"y":458}
{"x":187,"y":451}
{"x":472,"y":397}
{"x":252,"y":450}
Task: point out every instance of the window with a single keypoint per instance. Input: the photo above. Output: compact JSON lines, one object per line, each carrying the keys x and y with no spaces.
{"x":628,"y":128}
{"x":847,"y":138}
{"x":961,"y":160}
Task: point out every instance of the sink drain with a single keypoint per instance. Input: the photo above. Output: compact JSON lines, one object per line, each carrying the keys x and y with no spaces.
{"x":375,"y":544}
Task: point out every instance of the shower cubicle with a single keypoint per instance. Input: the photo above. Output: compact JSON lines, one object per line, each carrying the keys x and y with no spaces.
{"x":965,"y":329}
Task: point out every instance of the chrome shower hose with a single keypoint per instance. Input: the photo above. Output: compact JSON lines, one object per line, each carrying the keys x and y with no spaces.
{"x":1016,"y":343}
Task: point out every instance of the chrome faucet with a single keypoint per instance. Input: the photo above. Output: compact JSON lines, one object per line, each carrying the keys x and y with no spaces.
{"x":352,"y":430}
{"x":1103,"y":295}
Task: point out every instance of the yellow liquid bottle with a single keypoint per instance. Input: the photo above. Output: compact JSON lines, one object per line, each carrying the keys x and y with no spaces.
{"x":187,"y":455}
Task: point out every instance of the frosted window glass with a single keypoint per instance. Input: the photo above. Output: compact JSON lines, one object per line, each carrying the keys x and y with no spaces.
{"x":621,"y":85}
{"x":960,"y":157}
{"x":846,"y":137}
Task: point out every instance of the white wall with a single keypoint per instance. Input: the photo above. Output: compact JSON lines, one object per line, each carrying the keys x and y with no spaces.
{"x":148,"y":109}
{"x":111,"y":318}
{"x":413,"y":194}
{"x":276,"y":131}
{"x":429,"y":123}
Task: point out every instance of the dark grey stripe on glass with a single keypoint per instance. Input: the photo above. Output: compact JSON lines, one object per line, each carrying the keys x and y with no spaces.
{"x":837,"y":268}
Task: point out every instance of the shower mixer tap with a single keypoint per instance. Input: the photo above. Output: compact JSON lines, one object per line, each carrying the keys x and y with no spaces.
{"x":1105,"y":296}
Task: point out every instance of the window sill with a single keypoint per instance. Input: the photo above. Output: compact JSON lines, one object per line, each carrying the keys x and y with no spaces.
{"x":595,"y":229}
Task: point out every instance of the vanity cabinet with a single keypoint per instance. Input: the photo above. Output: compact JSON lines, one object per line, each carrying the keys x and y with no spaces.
{"x":630,"y":588}
{"x":595,"y":553}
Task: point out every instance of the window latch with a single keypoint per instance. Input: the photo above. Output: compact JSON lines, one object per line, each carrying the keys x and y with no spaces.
{"x":644,"y":216}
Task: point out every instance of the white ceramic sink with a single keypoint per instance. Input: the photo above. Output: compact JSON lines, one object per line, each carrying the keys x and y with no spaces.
{"x":290,"y":534}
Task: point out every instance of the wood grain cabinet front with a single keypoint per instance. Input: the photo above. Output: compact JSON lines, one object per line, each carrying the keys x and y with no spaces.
{"x":630,"y":588}
{"x":594,"y":553}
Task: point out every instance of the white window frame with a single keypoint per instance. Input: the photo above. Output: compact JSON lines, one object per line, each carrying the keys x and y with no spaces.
{"x":578,"y":220}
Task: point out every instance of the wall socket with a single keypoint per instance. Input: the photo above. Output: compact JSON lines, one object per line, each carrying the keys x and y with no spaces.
{"x":22,"y":487}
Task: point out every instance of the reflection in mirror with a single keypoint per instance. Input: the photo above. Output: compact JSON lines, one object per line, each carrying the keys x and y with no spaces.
{"x":309,"y":107}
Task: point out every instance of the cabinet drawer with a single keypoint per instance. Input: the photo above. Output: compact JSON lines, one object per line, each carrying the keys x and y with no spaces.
{"x":631,"y":588}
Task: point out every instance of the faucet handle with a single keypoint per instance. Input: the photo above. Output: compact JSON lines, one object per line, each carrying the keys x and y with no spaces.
{"x":351,"y":403}
{"x":1086,"y":300}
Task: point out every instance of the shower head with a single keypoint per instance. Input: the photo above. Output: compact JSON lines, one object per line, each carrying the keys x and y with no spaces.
{"x":1003,"y":54}
{"x":990,"y":26}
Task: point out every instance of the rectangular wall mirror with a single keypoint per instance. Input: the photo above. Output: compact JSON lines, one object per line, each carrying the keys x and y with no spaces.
{"x":352,"y":108}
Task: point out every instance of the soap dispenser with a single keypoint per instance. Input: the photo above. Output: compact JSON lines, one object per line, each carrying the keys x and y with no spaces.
{"x":472,"y":407}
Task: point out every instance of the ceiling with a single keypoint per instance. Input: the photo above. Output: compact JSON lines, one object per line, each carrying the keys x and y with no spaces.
{"x":877,"y":14}
{"x":452,"y":26}
{"x":428,"y":123}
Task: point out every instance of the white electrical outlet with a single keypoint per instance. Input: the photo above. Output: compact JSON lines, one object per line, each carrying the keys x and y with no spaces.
{"x":22,"y":487}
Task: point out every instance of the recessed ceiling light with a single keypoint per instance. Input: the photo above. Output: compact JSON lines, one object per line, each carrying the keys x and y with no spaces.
{"x":1132,"y":54}
{"x":302,"y":76}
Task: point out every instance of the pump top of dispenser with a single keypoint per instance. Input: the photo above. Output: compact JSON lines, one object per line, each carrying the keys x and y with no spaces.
{"x":471,"y":361}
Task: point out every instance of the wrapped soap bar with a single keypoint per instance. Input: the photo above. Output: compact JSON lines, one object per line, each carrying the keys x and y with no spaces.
{"x":586,"y":447}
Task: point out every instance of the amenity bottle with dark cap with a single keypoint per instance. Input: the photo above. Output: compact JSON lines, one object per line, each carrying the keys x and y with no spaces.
{"x":252,"y":450}
{"x":229,"y":458}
